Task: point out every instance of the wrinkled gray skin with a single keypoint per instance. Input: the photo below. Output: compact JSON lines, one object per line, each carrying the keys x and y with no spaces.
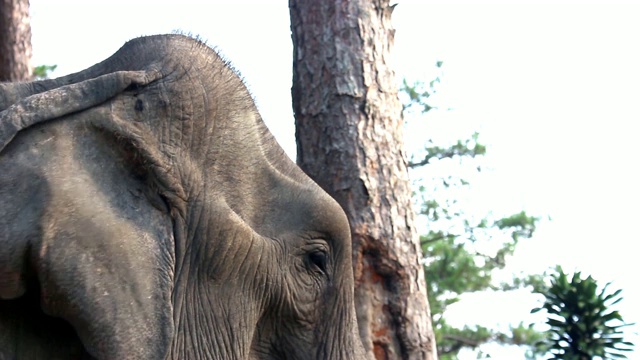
{"x":147,"y":213}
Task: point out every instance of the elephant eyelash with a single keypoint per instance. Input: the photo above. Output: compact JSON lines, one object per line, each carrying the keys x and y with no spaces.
{"x":319,"y":260}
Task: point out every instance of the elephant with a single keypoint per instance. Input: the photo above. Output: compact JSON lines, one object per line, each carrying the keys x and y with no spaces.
{"x":146,"y":212}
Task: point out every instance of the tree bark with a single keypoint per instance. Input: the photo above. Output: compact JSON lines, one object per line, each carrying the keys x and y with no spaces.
{"x":15,"y":41}
{"x":349,"y":132}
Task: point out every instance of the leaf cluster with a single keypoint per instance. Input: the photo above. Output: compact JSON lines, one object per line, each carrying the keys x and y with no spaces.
{"x":42,"y":72}
{"x":450,"y":340}
{"x":581,"y":320}
{"x":454,"y":266}
{"x":418,"y":93}
{"x":463,"y":148}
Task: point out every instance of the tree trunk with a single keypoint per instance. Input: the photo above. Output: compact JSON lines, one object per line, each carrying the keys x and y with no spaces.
{"x":349,"y":132}
{"x":15,"y":41}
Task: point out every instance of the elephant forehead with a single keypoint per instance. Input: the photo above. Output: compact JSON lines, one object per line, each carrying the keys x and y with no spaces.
{"x":274,"y":205}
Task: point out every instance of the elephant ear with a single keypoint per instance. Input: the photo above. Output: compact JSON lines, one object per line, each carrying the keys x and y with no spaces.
{"x":79,"y":219}
{"x":66,"y":100}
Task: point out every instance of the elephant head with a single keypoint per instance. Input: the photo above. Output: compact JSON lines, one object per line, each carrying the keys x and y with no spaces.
{"x":146,"y":212}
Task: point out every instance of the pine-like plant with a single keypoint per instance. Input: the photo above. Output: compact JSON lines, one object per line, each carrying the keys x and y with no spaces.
{"x":582,"y":324}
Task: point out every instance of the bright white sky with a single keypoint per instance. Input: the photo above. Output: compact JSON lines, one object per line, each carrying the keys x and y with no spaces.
{"x":553,"y":89}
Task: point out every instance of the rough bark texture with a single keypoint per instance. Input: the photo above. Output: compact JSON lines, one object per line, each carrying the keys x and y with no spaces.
{"x":349,"y":132}
{"x":15,"y":41}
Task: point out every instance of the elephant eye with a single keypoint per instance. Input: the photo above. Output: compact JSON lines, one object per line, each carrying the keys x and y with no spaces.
{"x":318,"y":260}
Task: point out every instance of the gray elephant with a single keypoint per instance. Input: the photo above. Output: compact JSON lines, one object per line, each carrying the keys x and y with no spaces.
{"x":146,"y":212}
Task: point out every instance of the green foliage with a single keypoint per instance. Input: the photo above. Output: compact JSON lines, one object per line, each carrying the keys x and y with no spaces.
{"x":42,"y":72}
{"x":583,"y":324}
{"x":521,"y":224}
{"x":468,"y":147}
{"x":450,"y":340}
{"x":455,"y":265}
{"x":461,"y":251}
{"x":418,"y":93}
